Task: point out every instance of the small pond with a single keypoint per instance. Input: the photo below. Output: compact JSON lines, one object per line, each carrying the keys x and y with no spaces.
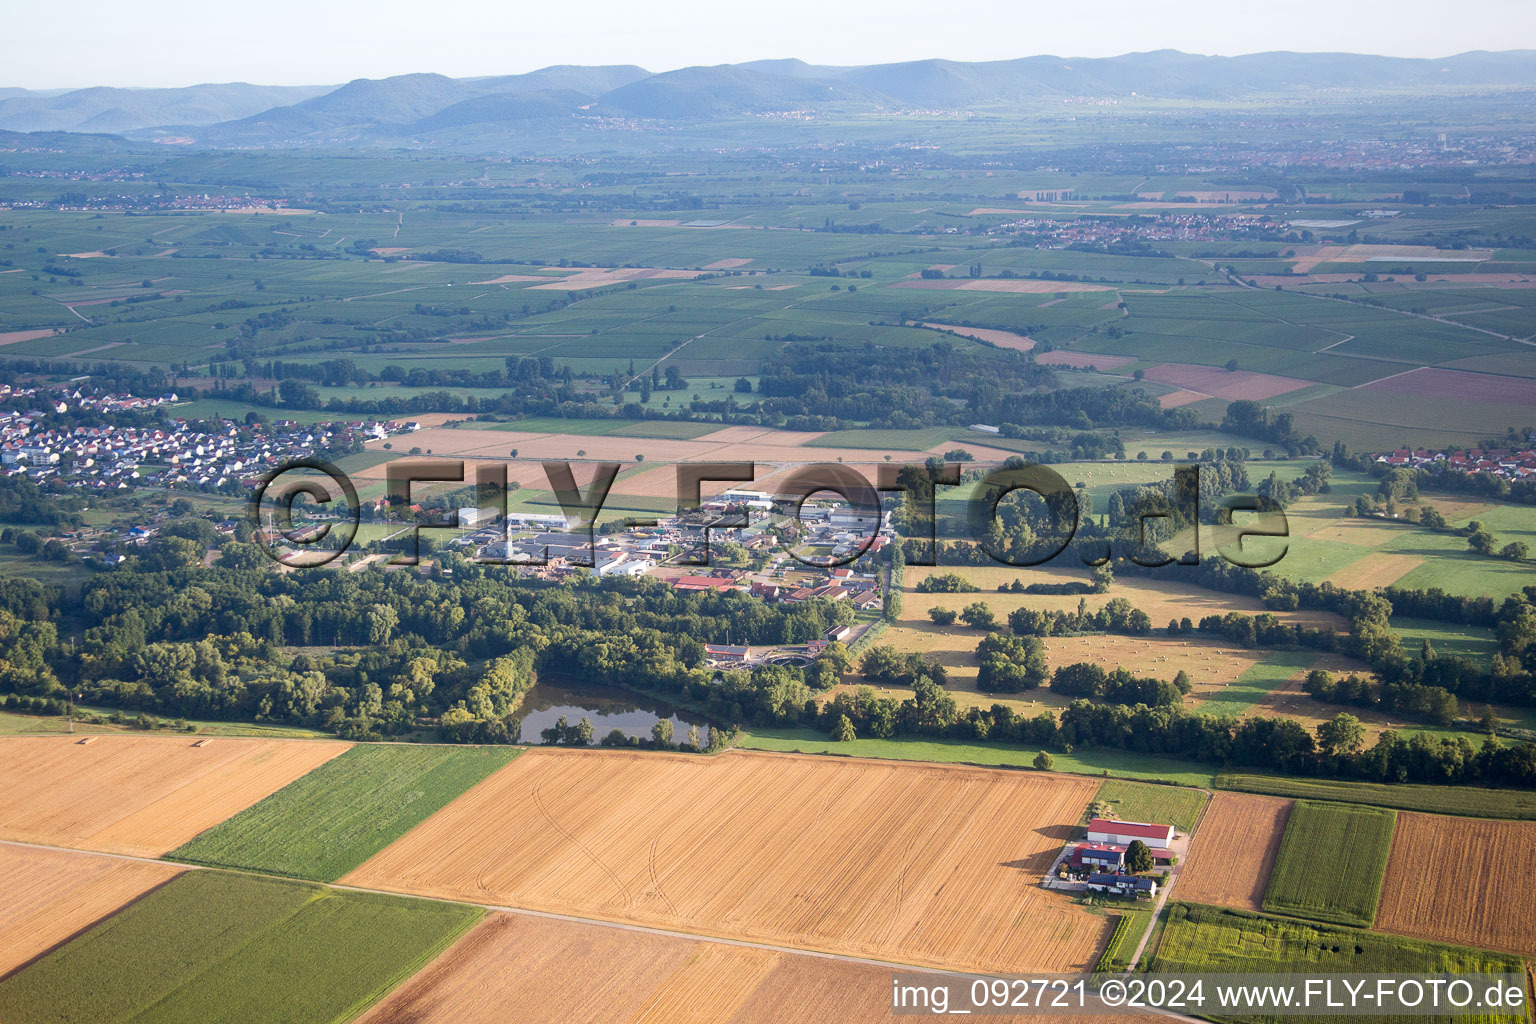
{"x":608,"y":707}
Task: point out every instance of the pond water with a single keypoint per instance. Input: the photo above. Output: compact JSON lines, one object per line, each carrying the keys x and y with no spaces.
{"x":608,"y":707}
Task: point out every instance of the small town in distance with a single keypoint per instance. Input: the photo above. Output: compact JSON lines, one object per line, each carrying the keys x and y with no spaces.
{"x":417,"y":603}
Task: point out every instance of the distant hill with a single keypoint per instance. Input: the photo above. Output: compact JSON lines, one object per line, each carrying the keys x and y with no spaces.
{"x":697,"y":93}
{"x":391,"y":110}
{"x":118,"y":110}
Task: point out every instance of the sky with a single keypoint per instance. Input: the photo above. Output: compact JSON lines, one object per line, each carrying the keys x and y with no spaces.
{"x":313,"y":42}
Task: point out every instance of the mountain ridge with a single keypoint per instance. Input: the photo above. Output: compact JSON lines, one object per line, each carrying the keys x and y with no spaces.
{"x":401,"y":106}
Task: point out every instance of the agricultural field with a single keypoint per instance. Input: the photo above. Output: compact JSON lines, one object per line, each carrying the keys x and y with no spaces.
{"x":1137,"y":801}
{"x":216,"y":946}
{"x":1331,"y":862}
{"x":1214,"y":939}
{"x":345,"y":811}
{"x":557,"y":971}
{"x":53,"y":894}
{"x":1475,"y":801}
{"x":738,"y":846}
{"x":1230,"y":861}
{"x":140,"y":795}
{"x":1363,"y":554}
{"x":1098,"y":761}
{"x":1461,"y":880}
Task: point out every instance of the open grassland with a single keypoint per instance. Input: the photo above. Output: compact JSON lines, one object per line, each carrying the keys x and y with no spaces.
{"x":13,"y":724}
{"x":1213,"y":939}
{"x":1331,"y":862}
{"x":140,"y":795}
{"x":217,"y":947}
{"x":52,"y":894}
{"x":331,"y":820}
{"x":917,"y":864}
{"x":1461,"y":880}
{"x":1474,"y":801}
{"x":559,"y":971}
{"x":1098,"y":761}
{"x":1140,"y":801}
{"x":1231,"y":859}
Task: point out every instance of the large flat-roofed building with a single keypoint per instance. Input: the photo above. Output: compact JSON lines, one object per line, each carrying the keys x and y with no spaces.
{"x":1123,"y":833}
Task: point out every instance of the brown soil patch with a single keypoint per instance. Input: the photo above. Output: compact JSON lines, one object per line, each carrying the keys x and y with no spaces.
{"x":559,"y":971}
{"x":1232,"y":385}
{"x":12,"y":337}
{"x":53,"y":894}
{"x":1002,"y":339}
{"x":1174,"y":399}
{"x":1377,"y":569}
{"x":915,"y":863}
{"x":730,"y":263}
{"x":1231,"y":856}
{"x":1433,"y":382}
{"x":140,"y":795}
{"x":1069,"y":357}
{"x":1461,"y":880}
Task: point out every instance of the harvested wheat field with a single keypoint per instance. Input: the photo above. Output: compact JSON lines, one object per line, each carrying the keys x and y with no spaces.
{"x":53,"y":894}
{"x":556,"y":971}
{"x":1463,"y":880}
{"x":1211,"y":664}
{"x":1070,"y":357}
{"x":140,"y":795}
{"x":1378,"y":569}
{"x":1231,"y":857}
{"x":1002,"y":339}
{"x":1161,"y":598}
{"x":1014,"y":285}
{"x":899,"y":861}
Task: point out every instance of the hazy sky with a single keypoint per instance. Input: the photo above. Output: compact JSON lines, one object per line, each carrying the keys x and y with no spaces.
{"x":290,"y":42}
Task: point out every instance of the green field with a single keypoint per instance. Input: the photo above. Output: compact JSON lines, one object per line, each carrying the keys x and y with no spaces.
{"x":1331,"y":863}
{"x":331,"y":820}
{"x":1166,"y":805}
{"x":1130,"y":926}
{"x":1470,"y":801}
{"x":1119,"y":763}
{"x":1256,"y":682}
{"x":213,"y":946}
{"x":1210,"y":939}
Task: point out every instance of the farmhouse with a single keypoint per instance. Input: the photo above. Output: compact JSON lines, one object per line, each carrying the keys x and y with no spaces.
{"x":1097,"y":857}
{"x":1123,"y":885}
{"x":1123,"y":833}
